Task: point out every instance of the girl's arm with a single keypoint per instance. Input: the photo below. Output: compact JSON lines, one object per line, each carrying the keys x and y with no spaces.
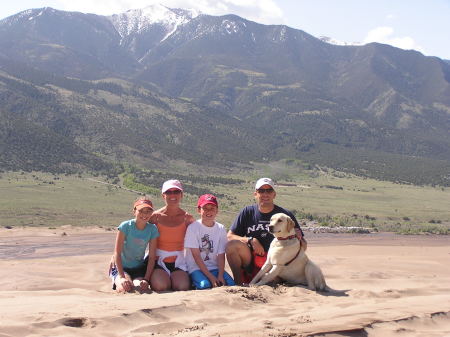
{"x":151,"y":259}
{"x":124,"y":282}
{"x":120,"y":239}
{"x":199,"y":261}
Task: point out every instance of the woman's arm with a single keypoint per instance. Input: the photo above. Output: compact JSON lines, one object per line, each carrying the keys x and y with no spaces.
{"x":154,"y":218}
{"x":189,"y":219}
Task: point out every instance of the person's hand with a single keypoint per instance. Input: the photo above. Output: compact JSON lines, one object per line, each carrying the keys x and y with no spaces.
{"x":126,"y":284}
{"x":214,"y":281}
{"x":303,"y":243}
{"x":143,"y":284}
{"x":257,"y":247}
{"x":298,"y":233}
{"x":221,"y":280}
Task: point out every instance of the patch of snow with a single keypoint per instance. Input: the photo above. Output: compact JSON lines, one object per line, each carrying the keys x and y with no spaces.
{"x":138,"y":20}
{"x":28,"y":14}
{"x":170,"y":33}
{"x":230,"y":26}
{"x":17,"y":17}
{"x":283,"y":34}
{"x":337,"y":42}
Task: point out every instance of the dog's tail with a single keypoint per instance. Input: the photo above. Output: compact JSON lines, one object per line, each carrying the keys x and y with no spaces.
{"x":328,"y":291}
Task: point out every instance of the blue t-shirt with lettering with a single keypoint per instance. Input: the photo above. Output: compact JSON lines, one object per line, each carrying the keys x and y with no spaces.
{"x":252,"y":222}
{"x":136,"y":242}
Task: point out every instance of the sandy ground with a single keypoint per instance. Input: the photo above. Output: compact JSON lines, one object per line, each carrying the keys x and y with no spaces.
{"x":54,"y":283}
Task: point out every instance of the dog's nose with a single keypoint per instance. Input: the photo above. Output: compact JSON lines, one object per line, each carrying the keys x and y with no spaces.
{"x":271,"y":228}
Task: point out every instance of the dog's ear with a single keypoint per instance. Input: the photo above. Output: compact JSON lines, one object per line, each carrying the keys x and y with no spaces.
{"x":290,"y":224}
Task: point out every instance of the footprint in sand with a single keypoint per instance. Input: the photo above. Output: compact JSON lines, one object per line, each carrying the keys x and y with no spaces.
{"x":75,"y":322}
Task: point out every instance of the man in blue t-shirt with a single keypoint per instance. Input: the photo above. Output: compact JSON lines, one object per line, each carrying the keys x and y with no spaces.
{"x":249,"y":238}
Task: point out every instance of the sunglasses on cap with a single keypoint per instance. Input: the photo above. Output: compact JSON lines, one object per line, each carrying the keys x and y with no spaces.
{"x":264,"y":190}
{"x":172,"y":192}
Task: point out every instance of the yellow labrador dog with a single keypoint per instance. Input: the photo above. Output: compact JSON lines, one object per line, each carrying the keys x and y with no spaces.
{"x":287,"y":259}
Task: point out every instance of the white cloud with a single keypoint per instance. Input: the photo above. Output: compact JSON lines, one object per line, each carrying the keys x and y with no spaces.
{"x":262,"y":11}
{"x":386,"y":35}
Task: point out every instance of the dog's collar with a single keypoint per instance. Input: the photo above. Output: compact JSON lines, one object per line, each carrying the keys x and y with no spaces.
{"x":287,"y":238}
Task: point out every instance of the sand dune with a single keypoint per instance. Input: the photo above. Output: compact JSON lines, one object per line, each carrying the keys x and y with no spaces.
{"x":54,"y":283}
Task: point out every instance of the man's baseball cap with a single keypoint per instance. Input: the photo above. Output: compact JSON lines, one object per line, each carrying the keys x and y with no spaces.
{"x":171,"y":184}
{"x":264,"y":181}
{"x":206,"y":199}
{"x":142,"y":203}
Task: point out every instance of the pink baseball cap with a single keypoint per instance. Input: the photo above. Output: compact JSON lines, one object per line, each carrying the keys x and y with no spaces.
{"x":173,"y":183}
{"x":206,"y":199}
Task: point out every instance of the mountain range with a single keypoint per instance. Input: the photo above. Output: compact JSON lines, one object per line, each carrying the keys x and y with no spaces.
{"x":157,"y":84}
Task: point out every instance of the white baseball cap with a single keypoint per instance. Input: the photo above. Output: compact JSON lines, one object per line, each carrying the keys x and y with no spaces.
{"x":264,"y":181}
{"x":171,"y":184}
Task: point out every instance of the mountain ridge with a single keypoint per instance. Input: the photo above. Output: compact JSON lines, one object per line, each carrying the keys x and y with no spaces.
{"x":232,"y":73}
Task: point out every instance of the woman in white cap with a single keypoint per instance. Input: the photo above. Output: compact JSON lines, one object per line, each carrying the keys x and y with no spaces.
{"x":172,"y":221}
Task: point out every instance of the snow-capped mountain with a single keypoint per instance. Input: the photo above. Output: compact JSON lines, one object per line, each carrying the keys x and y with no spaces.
{"x":28,"y":15}
{"x":330,"y":40}
{"x":136,"y":21}
{"x":141,"y":29}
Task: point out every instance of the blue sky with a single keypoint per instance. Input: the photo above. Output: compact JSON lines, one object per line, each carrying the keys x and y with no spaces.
{"x":423,"y":25}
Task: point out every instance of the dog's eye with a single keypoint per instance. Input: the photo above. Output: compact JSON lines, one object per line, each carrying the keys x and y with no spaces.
{"x":280,"y":220}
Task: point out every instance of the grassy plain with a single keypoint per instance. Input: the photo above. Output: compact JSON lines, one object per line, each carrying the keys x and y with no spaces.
{"x":38,"y":199}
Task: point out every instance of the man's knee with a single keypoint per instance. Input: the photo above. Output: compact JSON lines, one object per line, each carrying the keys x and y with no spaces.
{"x":233,"y":246}
{"x":238,"y":255}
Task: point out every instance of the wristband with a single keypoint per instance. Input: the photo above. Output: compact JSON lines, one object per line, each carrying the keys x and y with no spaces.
{"x":249,"y":241}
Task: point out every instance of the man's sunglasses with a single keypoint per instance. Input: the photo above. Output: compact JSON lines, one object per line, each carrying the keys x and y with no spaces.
{"x":264,"y":190}
{"x":172,"y":192}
